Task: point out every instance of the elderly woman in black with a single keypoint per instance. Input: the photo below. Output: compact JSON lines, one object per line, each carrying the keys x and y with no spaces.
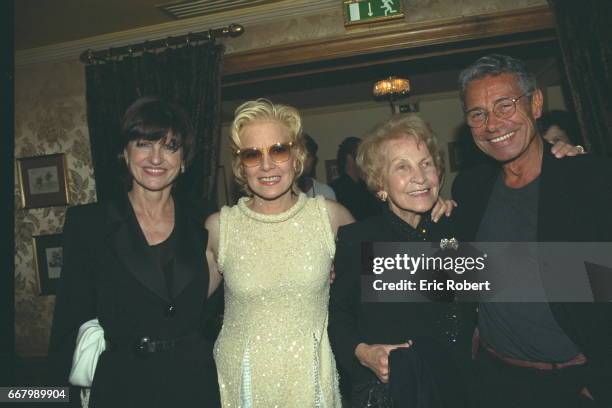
{"x":400,"y":161}
{"x":137,"y":265}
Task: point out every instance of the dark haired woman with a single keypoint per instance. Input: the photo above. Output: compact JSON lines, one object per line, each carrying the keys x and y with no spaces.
{"x":137,"y":265}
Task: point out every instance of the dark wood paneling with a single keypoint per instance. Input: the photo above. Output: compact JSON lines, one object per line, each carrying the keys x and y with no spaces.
{"x":537,"y":20}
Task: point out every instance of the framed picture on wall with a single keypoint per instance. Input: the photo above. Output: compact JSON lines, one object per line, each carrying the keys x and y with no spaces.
{"x":43,"y":180}
{"x":48,"y":258}
{"x":331,"y":170}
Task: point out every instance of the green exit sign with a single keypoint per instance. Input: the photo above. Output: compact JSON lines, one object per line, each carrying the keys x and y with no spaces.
{"x":369,"y":11}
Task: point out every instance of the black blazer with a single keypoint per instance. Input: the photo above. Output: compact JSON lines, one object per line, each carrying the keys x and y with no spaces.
{"x":575,"y":199}
{"x":352,"y":322}
{"x":109,"y":273}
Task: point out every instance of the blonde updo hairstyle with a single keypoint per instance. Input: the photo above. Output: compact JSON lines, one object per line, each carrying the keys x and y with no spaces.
{"x":372,"y":152}
{"x":263,"y":110}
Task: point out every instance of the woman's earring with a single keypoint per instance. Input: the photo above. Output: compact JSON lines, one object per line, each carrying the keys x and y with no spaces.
{"x":382,"y":195}
{"x":182,"y":168}
{"x":124,"y":156}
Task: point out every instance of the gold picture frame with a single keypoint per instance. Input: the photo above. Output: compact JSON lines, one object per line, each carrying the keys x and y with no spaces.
{"x":43,"y":181}
{"x":48,"y":259}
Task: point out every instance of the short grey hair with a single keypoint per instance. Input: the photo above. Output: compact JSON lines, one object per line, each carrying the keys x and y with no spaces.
{"x":493,"y":65}
{"x":372,"y":152}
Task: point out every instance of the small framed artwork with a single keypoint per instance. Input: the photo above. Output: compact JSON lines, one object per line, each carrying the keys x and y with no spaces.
{"x":48,"y":257}
{"x":331,"y":170}
{"x":43,"y":180}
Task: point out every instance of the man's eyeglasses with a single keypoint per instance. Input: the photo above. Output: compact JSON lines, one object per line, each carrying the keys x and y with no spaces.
{"x":503,"y":109}
{"x":253,"y":156}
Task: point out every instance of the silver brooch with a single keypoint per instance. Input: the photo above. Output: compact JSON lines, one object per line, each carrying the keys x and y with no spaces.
{"x":449,"y":243}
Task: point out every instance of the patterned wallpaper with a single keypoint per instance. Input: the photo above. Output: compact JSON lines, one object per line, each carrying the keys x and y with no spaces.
{"x":50,"y":117}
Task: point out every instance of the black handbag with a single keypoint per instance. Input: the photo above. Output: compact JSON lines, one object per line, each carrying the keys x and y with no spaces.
{"x":376,"y":395}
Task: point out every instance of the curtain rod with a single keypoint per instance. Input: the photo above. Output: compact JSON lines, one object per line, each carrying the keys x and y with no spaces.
{"x":90,"y":56}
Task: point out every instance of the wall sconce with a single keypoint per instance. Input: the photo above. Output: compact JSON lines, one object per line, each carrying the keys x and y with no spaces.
{"x":392,"y":89}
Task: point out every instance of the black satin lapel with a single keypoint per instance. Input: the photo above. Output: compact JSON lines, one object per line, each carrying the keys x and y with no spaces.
{"x":190,"y":253}
{"x":129,"y":244}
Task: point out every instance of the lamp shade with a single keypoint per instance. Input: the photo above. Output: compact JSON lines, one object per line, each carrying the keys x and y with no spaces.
{"x":391,"y":87}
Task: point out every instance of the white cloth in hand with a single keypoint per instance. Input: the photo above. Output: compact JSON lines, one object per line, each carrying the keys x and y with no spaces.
{"x":90,"y":344}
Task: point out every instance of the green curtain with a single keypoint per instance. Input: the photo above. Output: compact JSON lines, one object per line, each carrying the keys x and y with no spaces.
{"x":584,"y":31}
{"x":190,"y":76}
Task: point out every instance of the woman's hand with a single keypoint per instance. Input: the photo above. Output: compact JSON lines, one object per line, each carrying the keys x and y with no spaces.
{"x":376,"y":357}
{"x":561,"y":149}
{"x":332,"y":274}
{"x":442,"y":207}
{"x":586,"y":393}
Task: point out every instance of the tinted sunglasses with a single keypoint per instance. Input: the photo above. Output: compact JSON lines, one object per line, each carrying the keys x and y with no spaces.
{"x":253,"y":156}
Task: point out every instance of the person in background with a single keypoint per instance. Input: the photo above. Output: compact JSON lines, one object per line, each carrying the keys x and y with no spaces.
{"x":532,"y":354}
{"x":307,"y":181}
{"x":559,"y":125}
{"x":350,"y":189}
{"x":136,"y":263}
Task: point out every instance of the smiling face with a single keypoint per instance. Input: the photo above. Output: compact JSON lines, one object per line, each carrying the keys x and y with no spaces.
{"x":411,"y":179}
{"x":504,"y":139}
{"x":268,"y":180}
{"x":154,"y":165}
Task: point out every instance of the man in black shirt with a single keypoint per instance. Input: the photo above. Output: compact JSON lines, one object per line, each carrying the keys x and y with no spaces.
{"x":350,"y":189}
{"x":532,"y":354}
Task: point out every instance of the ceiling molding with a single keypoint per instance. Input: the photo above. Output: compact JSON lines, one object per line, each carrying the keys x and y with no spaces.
{"x":452,"y":30}
{"x":193,"y":8}
{"x":256,"y":15}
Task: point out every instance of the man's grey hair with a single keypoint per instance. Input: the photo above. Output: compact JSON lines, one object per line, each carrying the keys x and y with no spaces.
{"x":493,"y":65}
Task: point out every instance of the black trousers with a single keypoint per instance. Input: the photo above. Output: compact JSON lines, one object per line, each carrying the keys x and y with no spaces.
{"x":501,"y":385}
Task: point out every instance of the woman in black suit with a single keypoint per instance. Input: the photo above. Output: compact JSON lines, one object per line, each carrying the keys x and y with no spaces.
{"x":401,"y":161}
{"x":137,"y":264}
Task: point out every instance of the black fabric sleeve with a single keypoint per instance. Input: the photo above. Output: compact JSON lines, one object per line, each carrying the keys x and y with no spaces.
{"x":76,"y":299}
{"x":344,"y":303}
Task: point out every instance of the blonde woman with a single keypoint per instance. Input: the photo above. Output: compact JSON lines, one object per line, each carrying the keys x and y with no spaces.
{"x":274,"y":250}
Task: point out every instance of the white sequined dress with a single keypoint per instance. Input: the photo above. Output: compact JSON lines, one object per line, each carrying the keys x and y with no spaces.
{"x":273,"y":349}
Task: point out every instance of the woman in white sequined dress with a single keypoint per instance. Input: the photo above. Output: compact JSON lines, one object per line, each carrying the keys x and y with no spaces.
{"x":274,"y":250}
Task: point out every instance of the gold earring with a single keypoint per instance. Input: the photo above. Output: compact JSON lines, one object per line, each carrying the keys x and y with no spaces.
{"x":382,"y":195}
